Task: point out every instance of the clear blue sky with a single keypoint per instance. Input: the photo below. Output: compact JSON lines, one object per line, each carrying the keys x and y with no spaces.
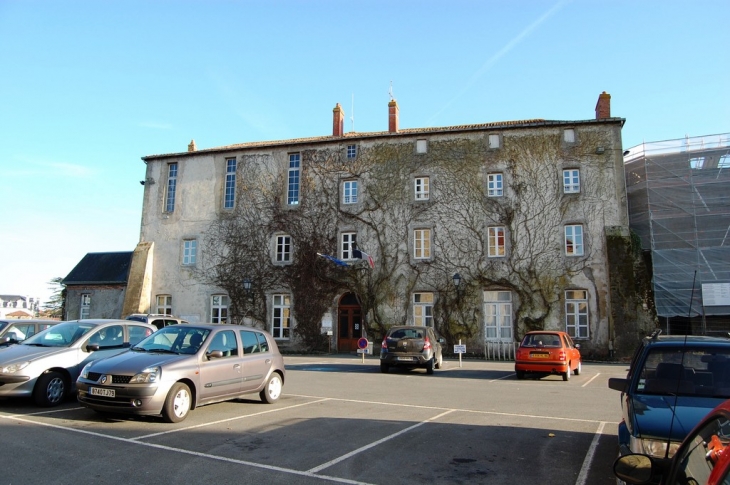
{"x":89,"y":87}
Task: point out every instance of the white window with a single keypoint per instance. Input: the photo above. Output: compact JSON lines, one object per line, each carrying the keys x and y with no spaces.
{"x":292,"y":197}
{"x":351,"y":151}
{"x":85,"y":309}
{"x":493,"y":141}
{"x":422,"y":243}
{"x":421,"y":146}
{"x":229,"y":197}
{"x":574,"y":240}
{"x":348,"y":242}
{"x":576,"y":313}
{"x":494,"y":185}
{"x":569,"y":135}
{"x":283,"y":248}
{"x":190,"y":252}
{"x":171,"y":187}
{"x":571,"y":181}
{"x":349,"y":192}
{"x":219,"y":309}
{"x":164,"y":304}
{"x":495,"y":238}
{"x":423,"y":309}
{"x":422,"y":188}
{"x":281,"y":317}
{"x":498,"y":316}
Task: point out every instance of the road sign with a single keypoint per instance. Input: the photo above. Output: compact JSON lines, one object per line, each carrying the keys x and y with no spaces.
{"x":362,"y":343}
{"x":460,"y":349}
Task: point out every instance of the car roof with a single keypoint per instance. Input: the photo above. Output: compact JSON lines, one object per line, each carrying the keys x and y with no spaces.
{"x":27,"y":320}
{"x":690,"y":340}
{"x":213,"y":326}
{"x":555,"y":332}
{"x":102,"y":321}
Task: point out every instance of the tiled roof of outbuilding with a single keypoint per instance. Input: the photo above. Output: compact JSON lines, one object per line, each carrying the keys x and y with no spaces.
{"x":101,"y":268}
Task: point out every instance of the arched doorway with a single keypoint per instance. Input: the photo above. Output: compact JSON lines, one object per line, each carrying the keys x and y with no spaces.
{"x":349,"y":323}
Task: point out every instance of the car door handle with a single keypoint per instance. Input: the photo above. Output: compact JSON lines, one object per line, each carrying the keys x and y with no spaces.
{"x":236,"y":366}
{"x":268,"y":361}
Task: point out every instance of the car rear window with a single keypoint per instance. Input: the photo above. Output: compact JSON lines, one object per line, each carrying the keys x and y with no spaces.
{"x":685,"y":371}
{"x":541,"y":340}
{"x":407,"y":333}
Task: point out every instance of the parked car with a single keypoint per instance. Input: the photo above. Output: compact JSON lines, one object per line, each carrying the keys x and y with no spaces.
{"x":181,"y":367}
{"x":702,"y":459}
{"x":46,"y":365}
{"x":156,"y":319}
{"x":671,"y":384}
{"x":411,"y":346}
{"x":547,"y":352}
{"x":15,"y":331}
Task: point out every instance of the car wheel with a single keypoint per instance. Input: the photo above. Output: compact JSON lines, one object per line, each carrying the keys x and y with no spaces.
{"x":50,"y":390}
{"x":177,"y":403}
{"x":578,"y":369}
{"x":384,"y":368}
{"x":429,"y":366}
{"x":520,"y":374}
{"x":272,"y":391}
{"x":566,"y":375}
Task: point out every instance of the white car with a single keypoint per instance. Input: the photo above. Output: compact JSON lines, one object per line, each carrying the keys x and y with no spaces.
{"x":46,"y":365}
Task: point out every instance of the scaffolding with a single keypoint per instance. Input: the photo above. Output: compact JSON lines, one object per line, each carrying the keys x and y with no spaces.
{"x":679,"y":205}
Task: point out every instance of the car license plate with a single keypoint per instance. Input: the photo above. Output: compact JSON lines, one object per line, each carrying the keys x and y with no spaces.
{"x":539,"y":356}
{"x":409,"y":359}
{"x":97,"y":391}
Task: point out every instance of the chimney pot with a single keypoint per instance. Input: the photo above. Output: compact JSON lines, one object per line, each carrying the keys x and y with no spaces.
{"x":191,"y":146}
{"x":393,"y":116}
{"x":603,"y":106}
{"x":338,"y":121}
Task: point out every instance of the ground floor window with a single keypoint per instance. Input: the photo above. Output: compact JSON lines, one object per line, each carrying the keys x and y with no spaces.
{"x":164,"y":304}
{"x":219,"y":309}
{"x":498,"y":316}
{"x":576,"y":313}
{"x":281,"y":317}
{"x":85,"y":309}
{"x":423,"y":309}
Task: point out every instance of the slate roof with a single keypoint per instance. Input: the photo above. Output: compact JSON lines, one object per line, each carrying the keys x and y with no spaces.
{"x":101,"y":268}
{"x":376,"y":134}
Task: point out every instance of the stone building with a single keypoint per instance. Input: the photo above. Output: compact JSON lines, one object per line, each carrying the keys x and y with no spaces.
{"x":484,"y":231}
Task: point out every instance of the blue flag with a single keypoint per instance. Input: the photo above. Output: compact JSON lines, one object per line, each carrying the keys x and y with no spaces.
{"x":338,"y":262}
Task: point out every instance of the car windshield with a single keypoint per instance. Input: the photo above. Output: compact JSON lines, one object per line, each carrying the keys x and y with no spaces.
{"x":407,"y":333}
{"x":686,"y":371}
{"x":61,"y":335}
{"x":541,"y":340}
{"x":174,"y":338}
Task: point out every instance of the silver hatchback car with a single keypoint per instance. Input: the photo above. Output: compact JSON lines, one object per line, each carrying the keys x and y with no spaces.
{"x":181,"y":367}
{"x":46,"y":365}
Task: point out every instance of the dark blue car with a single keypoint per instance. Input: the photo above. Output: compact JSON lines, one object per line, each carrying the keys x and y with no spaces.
{"x":672,"y":383}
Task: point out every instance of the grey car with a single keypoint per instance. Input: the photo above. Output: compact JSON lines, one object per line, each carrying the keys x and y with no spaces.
{"x":181,"y":367}
{"x":411,"y":346}
{"x":15,"y":331}
{"x":46,"y":365}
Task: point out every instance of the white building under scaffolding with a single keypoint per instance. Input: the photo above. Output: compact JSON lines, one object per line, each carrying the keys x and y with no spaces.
{"x":679,"y":204}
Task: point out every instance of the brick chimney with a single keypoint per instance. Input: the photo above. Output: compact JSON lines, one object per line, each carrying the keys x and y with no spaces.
{"x":603,"y":107}
{"x":338,"y":121}
{"x":393,"y":116}
{"x":191,"y":146}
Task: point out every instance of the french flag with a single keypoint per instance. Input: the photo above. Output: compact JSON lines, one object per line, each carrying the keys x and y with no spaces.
{"x":338,"y":262}
{"x":364,"y":256}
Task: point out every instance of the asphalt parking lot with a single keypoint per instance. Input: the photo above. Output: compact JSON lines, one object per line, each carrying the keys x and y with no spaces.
{"x":340,"y":420}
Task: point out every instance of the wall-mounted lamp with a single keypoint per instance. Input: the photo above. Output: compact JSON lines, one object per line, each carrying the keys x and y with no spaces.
{"x":141,"y":182}
{"x":247,"y":285}
{"x":457,"y":279}
{"x":626,"y":152}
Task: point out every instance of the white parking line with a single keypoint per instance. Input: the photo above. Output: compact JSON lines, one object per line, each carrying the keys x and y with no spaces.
{"x":583,"y":475}
{"x":229,"y":419}
{"x":188,"y":452}
{"x":591,"y":380}
{"x":374,"y":443}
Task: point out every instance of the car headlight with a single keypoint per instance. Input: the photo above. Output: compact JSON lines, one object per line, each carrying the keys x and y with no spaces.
{"x":13,"y":368}
{"x":150,"y":374}
{"x":85,"y":370}
{"x":654,"y":448}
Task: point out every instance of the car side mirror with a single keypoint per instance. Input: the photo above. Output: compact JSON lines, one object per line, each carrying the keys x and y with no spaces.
{"x":577,"y":346}
{"x":441,"y":340}
{"x":214,"y":354}
{"x":634,"y":468}
{"x":92,"y":347}
{"x":617,"y":383}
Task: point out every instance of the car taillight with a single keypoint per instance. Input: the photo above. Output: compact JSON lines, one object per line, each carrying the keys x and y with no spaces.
{"x":426,"y":344}
{"x":384,"y":345}
{"x":561,"y":355}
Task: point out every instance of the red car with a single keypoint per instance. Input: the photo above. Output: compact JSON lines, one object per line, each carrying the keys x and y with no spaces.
{"x":547,"y":352}
{"x":703,"y":458}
